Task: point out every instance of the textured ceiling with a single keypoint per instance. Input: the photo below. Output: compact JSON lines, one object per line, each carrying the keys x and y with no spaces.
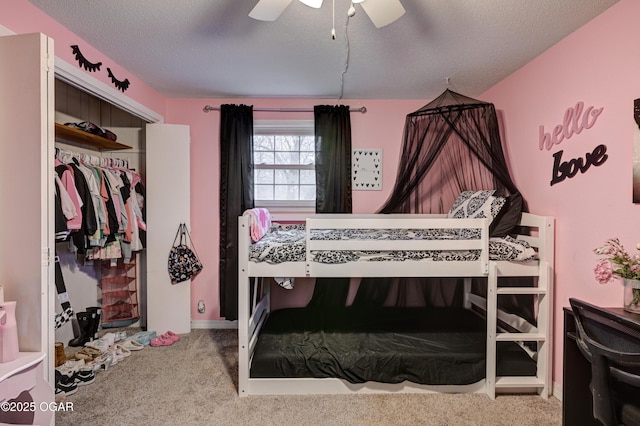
{"x":211,"y":48}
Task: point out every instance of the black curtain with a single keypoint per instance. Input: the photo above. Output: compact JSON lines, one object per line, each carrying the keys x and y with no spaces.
{"x":450,"y":145}
{"x":236,"y":195}
{"x":333,"y":158}
{"x":333,"y":186}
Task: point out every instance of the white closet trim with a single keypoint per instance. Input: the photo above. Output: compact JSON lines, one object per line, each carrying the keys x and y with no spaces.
{"x":81,"y":80}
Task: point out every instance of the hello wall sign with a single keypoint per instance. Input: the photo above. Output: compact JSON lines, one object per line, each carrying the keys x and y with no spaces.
{"x":576,"y":119}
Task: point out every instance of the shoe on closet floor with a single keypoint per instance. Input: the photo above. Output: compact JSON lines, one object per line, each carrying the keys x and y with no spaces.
{"x":125,"y":351}
{"x":71,"y":366}
{"x":59,"y":395}
{"x":132,"y":345}
{"x":87,"y":354}
{"x":61,"y":356}
{"x":95,"y":312}
{"x":161,"y":341}
{"x":83,"y":377}
{"x":120,"y":335}
{"x":65,"y":384}
{"x":143,"y":337}
{"x":171,"y":335}
{"x":63,"y":391}
{"x":84,"y":329}
{"x":103,"y":361}
{"x":117,"y":354}
{"x":103,"y":343}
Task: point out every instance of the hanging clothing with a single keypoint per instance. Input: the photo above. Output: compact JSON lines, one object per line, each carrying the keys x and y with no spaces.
{"x":64,"y":210}
{"x":67,"y":179}
{"x":95,"y":209}
{"x":88,"y":224}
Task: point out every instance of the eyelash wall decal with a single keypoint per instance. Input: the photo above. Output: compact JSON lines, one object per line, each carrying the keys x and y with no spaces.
{"x":83,"y":62}
{"x":121,"y":85}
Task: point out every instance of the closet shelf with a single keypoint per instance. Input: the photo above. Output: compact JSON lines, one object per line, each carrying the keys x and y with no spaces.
{"x":79,"y":136}
{"x":120,"y":306}
{"x":118,"y":280}
{"x":118,"y":294}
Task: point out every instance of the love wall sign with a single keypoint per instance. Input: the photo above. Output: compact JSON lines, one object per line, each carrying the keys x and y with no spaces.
{"x":576,"y":119}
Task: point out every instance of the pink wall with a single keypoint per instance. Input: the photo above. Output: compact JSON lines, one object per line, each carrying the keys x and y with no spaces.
{"x":595,"y":65}
{"x":22,"y":17}
{"x":380,"y":127}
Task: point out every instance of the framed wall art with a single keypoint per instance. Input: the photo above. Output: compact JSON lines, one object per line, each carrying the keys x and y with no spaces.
{"x":366,"y":169}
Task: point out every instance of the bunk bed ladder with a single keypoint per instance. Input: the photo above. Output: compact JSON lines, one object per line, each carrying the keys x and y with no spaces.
{"x":540,"y":333}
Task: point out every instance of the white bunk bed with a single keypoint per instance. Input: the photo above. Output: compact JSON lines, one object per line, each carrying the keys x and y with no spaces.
{"x":537,"y":231}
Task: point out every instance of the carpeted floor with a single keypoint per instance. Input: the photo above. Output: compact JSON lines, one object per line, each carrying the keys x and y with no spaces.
{"x":194,"y":382}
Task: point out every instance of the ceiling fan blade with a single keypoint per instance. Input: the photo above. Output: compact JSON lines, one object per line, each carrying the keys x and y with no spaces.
{"x":383,"y":12}
{"x":268,"y":10}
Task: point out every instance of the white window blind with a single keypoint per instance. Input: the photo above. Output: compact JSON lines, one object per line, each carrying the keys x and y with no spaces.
{"x":284,"y":164}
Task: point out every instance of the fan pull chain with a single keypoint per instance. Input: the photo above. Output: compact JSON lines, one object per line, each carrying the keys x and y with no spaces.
{"x":347,"y":53}
{"x":352,"y":11}
{"x":333,"y":27}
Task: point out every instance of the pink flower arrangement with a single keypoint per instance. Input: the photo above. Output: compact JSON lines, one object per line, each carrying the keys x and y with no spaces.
{"x":617,"y":263}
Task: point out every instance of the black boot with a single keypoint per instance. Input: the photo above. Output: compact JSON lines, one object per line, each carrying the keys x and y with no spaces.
{"x":83,"y":325}
{"x":94,"y":321}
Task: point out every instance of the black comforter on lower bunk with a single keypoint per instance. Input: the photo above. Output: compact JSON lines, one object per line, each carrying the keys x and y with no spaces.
{"x":430,"y":346}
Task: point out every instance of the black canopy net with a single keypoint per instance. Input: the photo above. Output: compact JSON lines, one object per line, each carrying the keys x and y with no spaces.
{"x":450,"y":145}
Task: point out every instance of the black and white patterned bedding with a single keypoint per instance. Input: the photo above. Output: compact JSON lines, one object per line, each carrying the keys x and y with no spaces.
{"x":286,"y":243}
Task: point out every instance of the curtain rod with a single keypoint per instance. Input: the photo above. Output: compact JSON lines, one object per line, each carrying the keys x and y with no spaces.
{"x":208,"y":108}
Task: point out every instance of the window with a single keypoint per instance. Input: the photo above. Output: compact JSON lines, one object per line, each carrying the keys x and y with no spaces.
{"x":284,"y":164}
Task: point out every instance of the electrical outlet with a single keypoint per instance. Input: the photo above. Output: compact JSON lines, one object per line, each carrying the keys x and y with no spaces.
{"x":201,"y":306}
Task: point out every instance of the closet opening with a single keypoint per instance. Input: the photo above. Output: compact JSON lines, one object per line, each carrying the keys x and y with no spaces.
{"x":108,"y":277}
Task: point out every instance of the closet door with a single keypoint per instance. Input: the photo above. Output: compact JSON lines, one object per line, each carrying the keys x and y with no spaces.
{"x":26,"y":188}
{"x":168,"y":196}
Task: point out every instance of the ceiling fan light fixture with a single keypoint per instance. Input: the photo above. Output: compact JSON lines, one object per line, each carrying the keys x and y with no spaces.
{"x":381,"y":12}
{"x":312,"y":3}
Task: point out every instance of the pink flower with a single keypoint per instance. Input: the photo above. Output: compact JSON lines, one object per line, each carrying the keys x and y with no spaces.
{"x":616,"y":262}
{"x":603,"y":272}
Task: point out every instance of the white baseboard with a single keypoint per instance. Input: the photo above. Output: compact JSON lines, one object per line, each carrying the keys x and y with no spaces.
{"x":211,"y":324}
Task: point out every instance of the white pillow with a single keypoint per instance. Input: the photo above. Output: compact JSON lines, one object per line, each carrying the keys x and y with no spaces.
{"x":477,"y":204}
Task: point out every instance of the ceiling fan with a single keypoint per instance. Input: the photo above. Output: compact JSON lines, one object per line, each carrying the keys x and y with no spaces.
{"x":381,"y":12}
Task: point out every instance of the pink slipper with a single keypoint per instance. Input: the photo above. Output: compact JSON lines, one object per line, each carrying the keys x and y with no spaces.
{"x":161,"y":341}
{"x":171,"y":335}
